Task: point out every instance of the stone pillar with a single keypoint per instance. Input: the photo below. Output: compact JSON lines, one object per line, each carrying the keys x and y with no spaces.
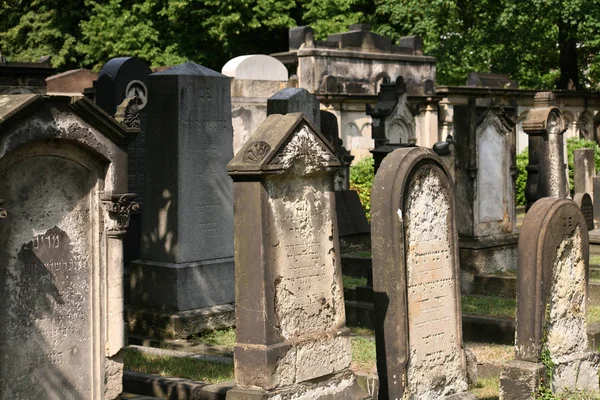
{"x":416,"y":279}
{"x":552,"y":301}
{"x":584,"y":171}
{"x":545,"y":126}
{"x":427,"y":132}
{"x":292,"y":100}
{"x":184,"y":281}
{"x":290,"y":320}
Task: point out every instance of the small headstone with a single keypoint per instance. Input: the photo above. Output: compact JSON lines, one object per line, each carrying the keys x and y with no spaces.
{"x":292,"y":100}
{"x":73,"y":81}
{"x":290,"y":318}
{"x":187,"y":231}
{"x":584,"y":202}
{"x":416,"y":279}
{"x":256,"y":67}
{"x":552,"y":300}
{"x":584,"y":170}
{"x":301,"y":35}
{"x":63,"y":214}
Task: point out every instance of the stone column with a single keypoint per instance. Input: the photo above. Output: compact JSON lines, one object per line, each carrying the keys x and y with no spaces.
{"x":545,"y":126}
{"x":427,"y":124}
{"x":291,"y":335}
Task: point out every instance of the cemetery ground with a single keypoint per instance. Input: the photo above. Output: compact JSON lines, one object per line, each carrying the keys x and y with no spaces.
{"x":208,"y":357}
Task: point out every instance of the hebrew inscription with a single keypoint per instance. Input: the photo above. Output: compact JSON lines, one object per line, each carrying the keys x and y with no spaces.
{"x":435,"y":361}
{"x":45,"y":257}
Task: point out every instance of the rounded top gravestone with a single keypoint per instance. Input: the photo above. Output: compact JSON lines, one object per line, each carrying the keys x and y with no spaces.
{"x":257,"y":67}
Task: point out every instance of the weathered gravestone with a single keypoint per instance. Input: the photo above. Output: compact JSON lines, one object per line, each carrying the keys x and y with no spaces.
{"x":584,"y":171}
{"x":63,"y":215}
{"x":184,"y":281}
{"x":290,"y":320}
{"x":584,"y":202}
{"x":596,"y":200}
{"x":415,"y":279}
{"x":552,"y":300}
{"x":121,"y":79}
{"x":545,"y":126}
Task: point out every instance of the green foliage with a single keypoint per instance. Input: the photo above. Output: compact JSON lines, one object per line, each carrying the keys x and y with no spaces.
{"x":219,"y":337}
{"x":361,"y":179}
{"x":574,"y":144}
{"x":351,"y":282}
{"x":522,"y":161}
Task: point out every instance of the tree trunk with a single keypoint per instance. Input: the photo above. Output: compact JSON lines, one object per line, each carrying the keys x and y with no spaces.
{"x":569,"y":73}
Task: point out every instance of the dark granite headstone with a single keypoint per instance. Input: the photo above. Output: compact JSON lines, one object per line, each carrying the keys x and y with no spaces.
{"x":300,"y":35}
{"x":293,"y":100}
{"x":416,"y":279}
{"x":552,"y":278}
{"x":61,"y":264}
{"x":290,"y":321}
{"x":584,"y":202}
{"x":121,"y":78}
{"x":187,"y":231}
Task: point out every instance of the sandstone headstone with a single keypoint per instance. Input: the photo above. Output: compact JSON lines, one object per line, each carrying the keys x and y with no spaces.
{"x":584,"y":171}
{"x":290,"y":320}
{"x":256,"y":67}
{"x":63,"y":215}
{"x":187,"y":232}
{"x":596,"y":200}
{"x":545,"y":126}
{"x":584,"y":202}
{"x":415,"y":279}
{"x":292,"y":100}
{"x":551,"y":303}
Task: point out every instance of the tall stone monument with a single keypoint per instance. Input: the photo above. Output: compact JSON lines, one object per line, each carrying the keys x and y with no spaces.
{"x":184,"y":281}
{"x":415,"y":279}
{"x":125,"y":79}
{"x":545,"y":126}
{"x":290,"y":320}
{"x":485,"y":175}
{"x":584,"y":170}
{"x":293,"y":100}
{"x":551,"y":304}
{"x":63,"y":214}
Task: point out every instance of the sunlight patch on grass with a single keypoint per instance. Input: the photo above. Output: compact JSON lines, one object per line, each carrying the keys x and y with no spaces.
{"x":491,"y":306}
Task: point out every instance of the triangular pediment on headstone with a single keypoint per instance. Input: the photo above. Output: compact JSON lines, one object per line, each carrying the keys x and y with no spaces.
{"x":280,"y":142}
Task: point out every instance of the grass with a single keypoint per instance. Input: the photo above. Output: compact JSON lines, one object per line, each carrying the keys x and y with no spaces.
{"x":360,"y":331}
{"x":351,"y":282}
{"x":595,"y":259}
{"x":487,"y":388}
{"x":594,"y":274}
{"x":593,"y":314}
{"x":366,"y":254}
{"x":492,"y":306}
{"x":180,"y":367}
{"x":363,"y":354}
{"x":220,"y":337}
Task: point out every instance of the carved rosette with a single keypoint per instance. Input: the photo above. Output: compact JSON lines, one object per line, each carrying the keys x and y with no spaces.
{"x":128,"y":112}
{"x":3,"y":213}
{"x":257,"y":151}
{"x":119,"y":208}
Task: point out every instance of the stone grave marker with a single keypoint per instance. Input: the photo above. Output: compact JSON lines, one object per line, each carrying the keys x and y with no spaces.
{"x":584,"y":170}
{"x":292,"y":100}
{"x":552,"y":279}
{"x":584,"y":202}
{"x":185,"y":275}
{"x":596,"y":200}
{"x":545,"y":126}
{"x":63,"y":214}
{"x":258,"y":67}
{"x":290,"y":320}
{"x":416,"y":279}
{"x":120,"y":79}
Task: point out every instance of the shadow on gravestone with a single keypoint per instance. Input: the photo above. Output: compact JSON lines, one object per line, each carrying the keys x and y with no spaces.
{"x":415,"y":279}
{"x":183,"y":282}
{"x":119,"y":79}
{"x":552,"y":299}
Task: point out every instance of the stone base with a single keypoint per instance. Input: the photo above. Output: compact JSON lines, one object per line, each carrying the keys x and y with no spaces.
{"x":178,"y":325}
{"x":181,"y":286}
{"x":461,"y":396}
{"x":520,"y":379}
{"x":485,"y":256}
{"x":338,"y":387}
{"x":576,"y":371}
